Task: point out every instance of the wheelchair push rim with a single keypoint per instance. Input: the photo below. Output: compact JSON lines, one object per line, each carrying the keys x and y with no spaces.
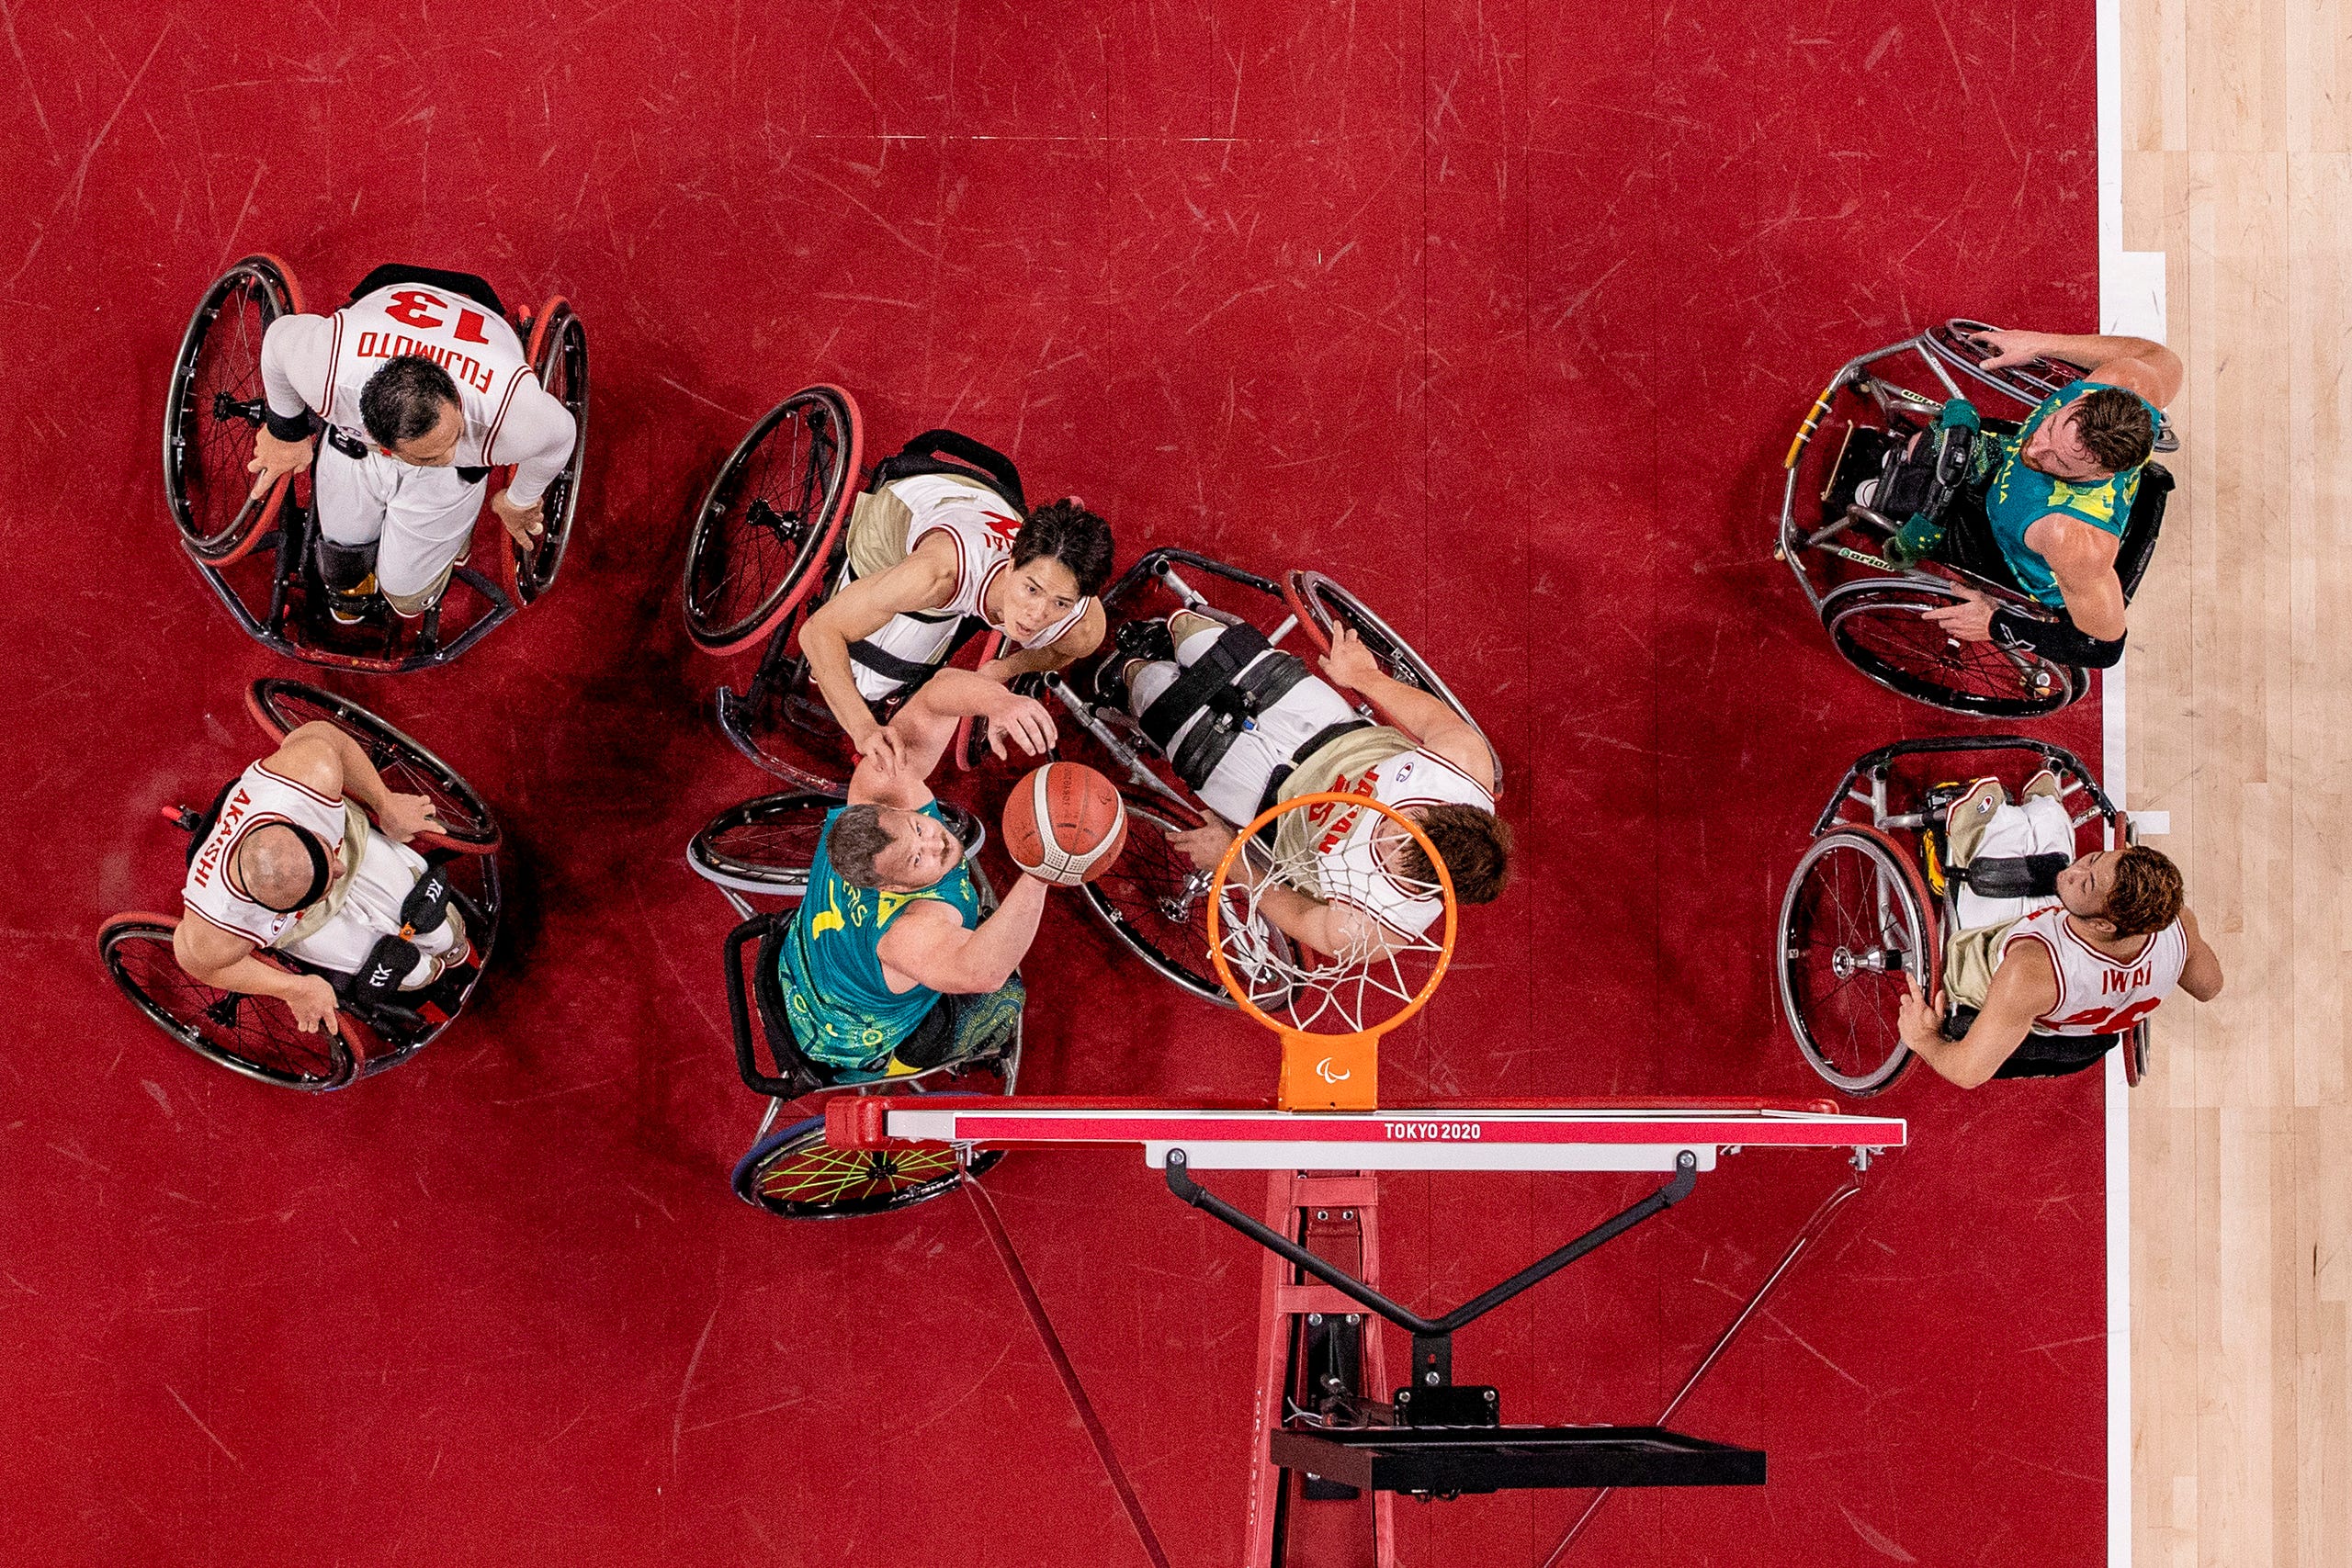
{"x":793,"y":1172}
{"x":771,"y":519}
{"x":254,"y":1036}
{"x":280,"y":706}
{"x":1855,"y":921}
{"x":1878,"y":626}
{"x":1320,"y":603}
{"x":766,"y":845}
{"x":214,"y":408}
{"x":1154,"y":901}
{"x":558,"y":356}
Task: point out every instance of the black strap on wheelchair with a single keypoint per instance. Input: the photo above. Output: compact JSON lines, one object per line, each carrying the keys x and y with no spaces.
{"x":1239,"y":676}
{"x":2037,"y":1055}
{"x":426,"y":907}
{"x":378,"y":981}
{"x":951,"y":452}
{"x":465,"y":282}
{"x":2013,"y":877}
{"x":472,"y":475}
{"x":350,"y":446}
{"x":1314,"y":742}
{"x":908,"y":674}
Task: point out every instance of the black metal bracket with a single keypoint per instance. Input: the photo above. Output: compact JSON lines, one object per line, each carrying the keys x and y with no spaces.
{"x":1433,"y":1336}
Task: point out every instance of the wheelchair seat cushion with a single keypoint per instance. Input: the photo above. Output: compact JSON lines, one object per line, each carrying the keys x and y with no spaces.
{"x":459,"y":283}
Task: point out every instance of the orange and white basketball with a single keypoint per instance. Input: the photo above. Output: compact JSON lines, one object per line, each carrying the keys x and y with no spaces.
{"x":1065,"y":824}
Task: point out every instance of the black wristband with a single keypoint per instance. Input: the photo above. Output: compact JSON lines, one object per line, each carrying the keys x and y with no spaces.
{"x":2056,"y":640}
{"x":288,"y":427}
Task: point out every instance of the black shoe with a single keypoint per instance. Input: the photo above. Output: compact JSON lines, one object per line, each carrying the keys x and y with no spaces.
{"x":1101,"y":681}
{"x":1146,"y":639}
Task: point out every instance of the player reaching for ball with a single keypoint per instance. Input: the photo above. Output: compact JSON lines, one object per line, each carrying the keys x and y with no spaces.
{"x":888,"y":967}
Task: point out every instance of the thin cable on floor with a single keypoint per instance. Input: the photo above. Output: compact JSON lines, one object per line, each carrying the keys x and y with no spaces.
{"x":984,"y":1207}
{"x":1805,"y":1237}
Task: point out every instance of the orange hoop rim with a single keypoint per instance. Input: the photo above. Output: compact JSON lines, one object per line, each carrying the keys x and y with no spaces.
{"x":1241,"y":993}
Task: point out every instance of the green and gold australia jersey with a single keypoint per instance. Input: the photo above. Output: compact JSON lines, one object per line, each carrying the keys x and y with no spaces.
{"x":843,"y":1011}
{"x":2018,"y":497}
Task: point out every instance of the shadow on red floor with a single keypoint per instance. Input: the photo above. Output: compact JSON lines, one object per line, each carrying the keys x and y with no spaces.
{"x":1502,"y":316}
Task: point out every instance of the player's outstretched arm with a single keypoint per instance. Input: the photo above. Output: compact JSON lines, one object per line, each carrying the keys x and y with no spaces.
{"x":2202,"y":976}
{"x":924,"y":580}
{"x":296,"y":352}
{"x":211,"y":956}
{"x":928,"y":946}
{"x":537,"y":437}
{"x":326,"y":760}
{"x":1432,"y":725}
{"x":2023,"y":988}
{"x":2135,"y":364}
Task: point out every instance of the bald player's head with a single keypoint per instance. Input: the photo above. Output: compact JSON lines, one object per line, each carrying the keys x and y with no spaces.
{"x":274,"y":862}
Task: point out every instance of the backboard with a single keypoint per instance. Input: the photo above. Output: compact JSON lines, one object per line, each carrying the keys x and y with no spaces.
{"x":1612,"y":1135}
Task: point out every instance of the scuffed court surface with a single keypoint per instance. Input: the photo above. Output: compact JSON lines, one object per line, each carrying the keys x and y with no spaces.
{"x":1500,"y":313}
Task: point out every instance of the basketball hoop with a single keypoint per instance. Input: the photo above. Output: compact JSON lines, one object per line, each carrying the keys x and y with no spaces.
{"x":1345,"y":851}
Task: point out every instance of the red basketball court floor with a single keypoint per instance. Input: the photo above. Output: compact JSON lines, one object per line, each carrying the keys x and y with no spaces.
{"x":1502,"y":313}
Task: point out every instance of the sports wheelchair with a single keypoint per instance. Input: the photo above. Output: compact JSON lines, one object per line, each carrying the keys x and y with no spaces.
{"x":1874,"y":900}
{"x":256,"y":1035}
{"x":217,"y":404}
{"x":762,"y":849}
{"x":1154,"y":900}
{"x":770,"y":533}
{"x":1856,"y":431}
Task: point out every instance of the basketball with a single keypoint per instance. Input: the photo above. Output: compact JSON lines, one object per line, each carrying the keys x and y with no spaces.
{"x":1065,"y":824}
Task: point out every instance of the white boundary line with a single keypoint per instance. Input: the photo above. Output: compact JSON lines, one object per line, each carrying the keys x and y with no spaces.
{"x":2132,"y":300}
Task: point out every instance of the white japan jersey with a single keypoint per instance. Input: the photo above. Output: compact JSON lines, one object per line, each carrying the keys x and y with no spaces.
{"x":260,"y":797}
{"x":323,"y":363}
{"x":983,"y":528}
{"x":1347,"y":861}
{"x":2098,"y":995}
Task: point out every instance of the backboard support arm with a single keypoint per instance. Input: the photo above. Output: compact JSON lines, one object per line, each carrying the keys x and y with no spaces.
{"x":1432,"y":1337}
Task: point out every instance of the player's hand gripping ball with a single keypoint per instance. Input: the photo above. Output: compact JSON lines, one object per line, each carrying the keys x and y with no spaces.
{"x":1065,"y":824}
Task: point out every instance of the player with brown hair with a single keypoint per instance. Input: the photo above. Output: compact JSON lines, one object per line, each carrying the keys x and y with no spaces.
{"x":2049,"y":990}
{"x":2059,"y":493}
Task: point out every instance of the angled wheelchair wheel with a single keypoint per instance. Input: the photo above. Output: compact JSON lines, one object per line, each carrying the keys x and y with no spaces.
{"x":255,"y":1036}
{"x":795,"y":1173}
{"x":216,"y":405}
{"x":1877,"y":625}
{"x":771,"y":518}
{"x":280,"y":706}
{"x":1855,"y":922}
{"x":1156,"y":902}
{"x":559,"y":354}
{"x":766,"y":845}
{"x":1321,"y":604}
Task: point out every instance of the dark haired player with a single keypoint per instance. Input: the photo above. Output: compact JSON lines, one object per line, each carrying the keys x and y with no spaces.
{"x":930,"y":553}
{"x":292,"y":863}
{"x":421,"y":388}
{"x":888,"y":967}
{"x":2048,"y":985}
{"x":2061,"y":491}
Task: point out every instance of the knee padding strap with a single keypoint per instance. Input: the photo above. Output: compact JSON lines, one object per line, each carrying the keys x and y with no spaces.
{"x":346,"y":568}
{"x":2013,"y":877}
{"x":426,"y":907}
{"x":390,"y":961}
{"x":1233,"y":683}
